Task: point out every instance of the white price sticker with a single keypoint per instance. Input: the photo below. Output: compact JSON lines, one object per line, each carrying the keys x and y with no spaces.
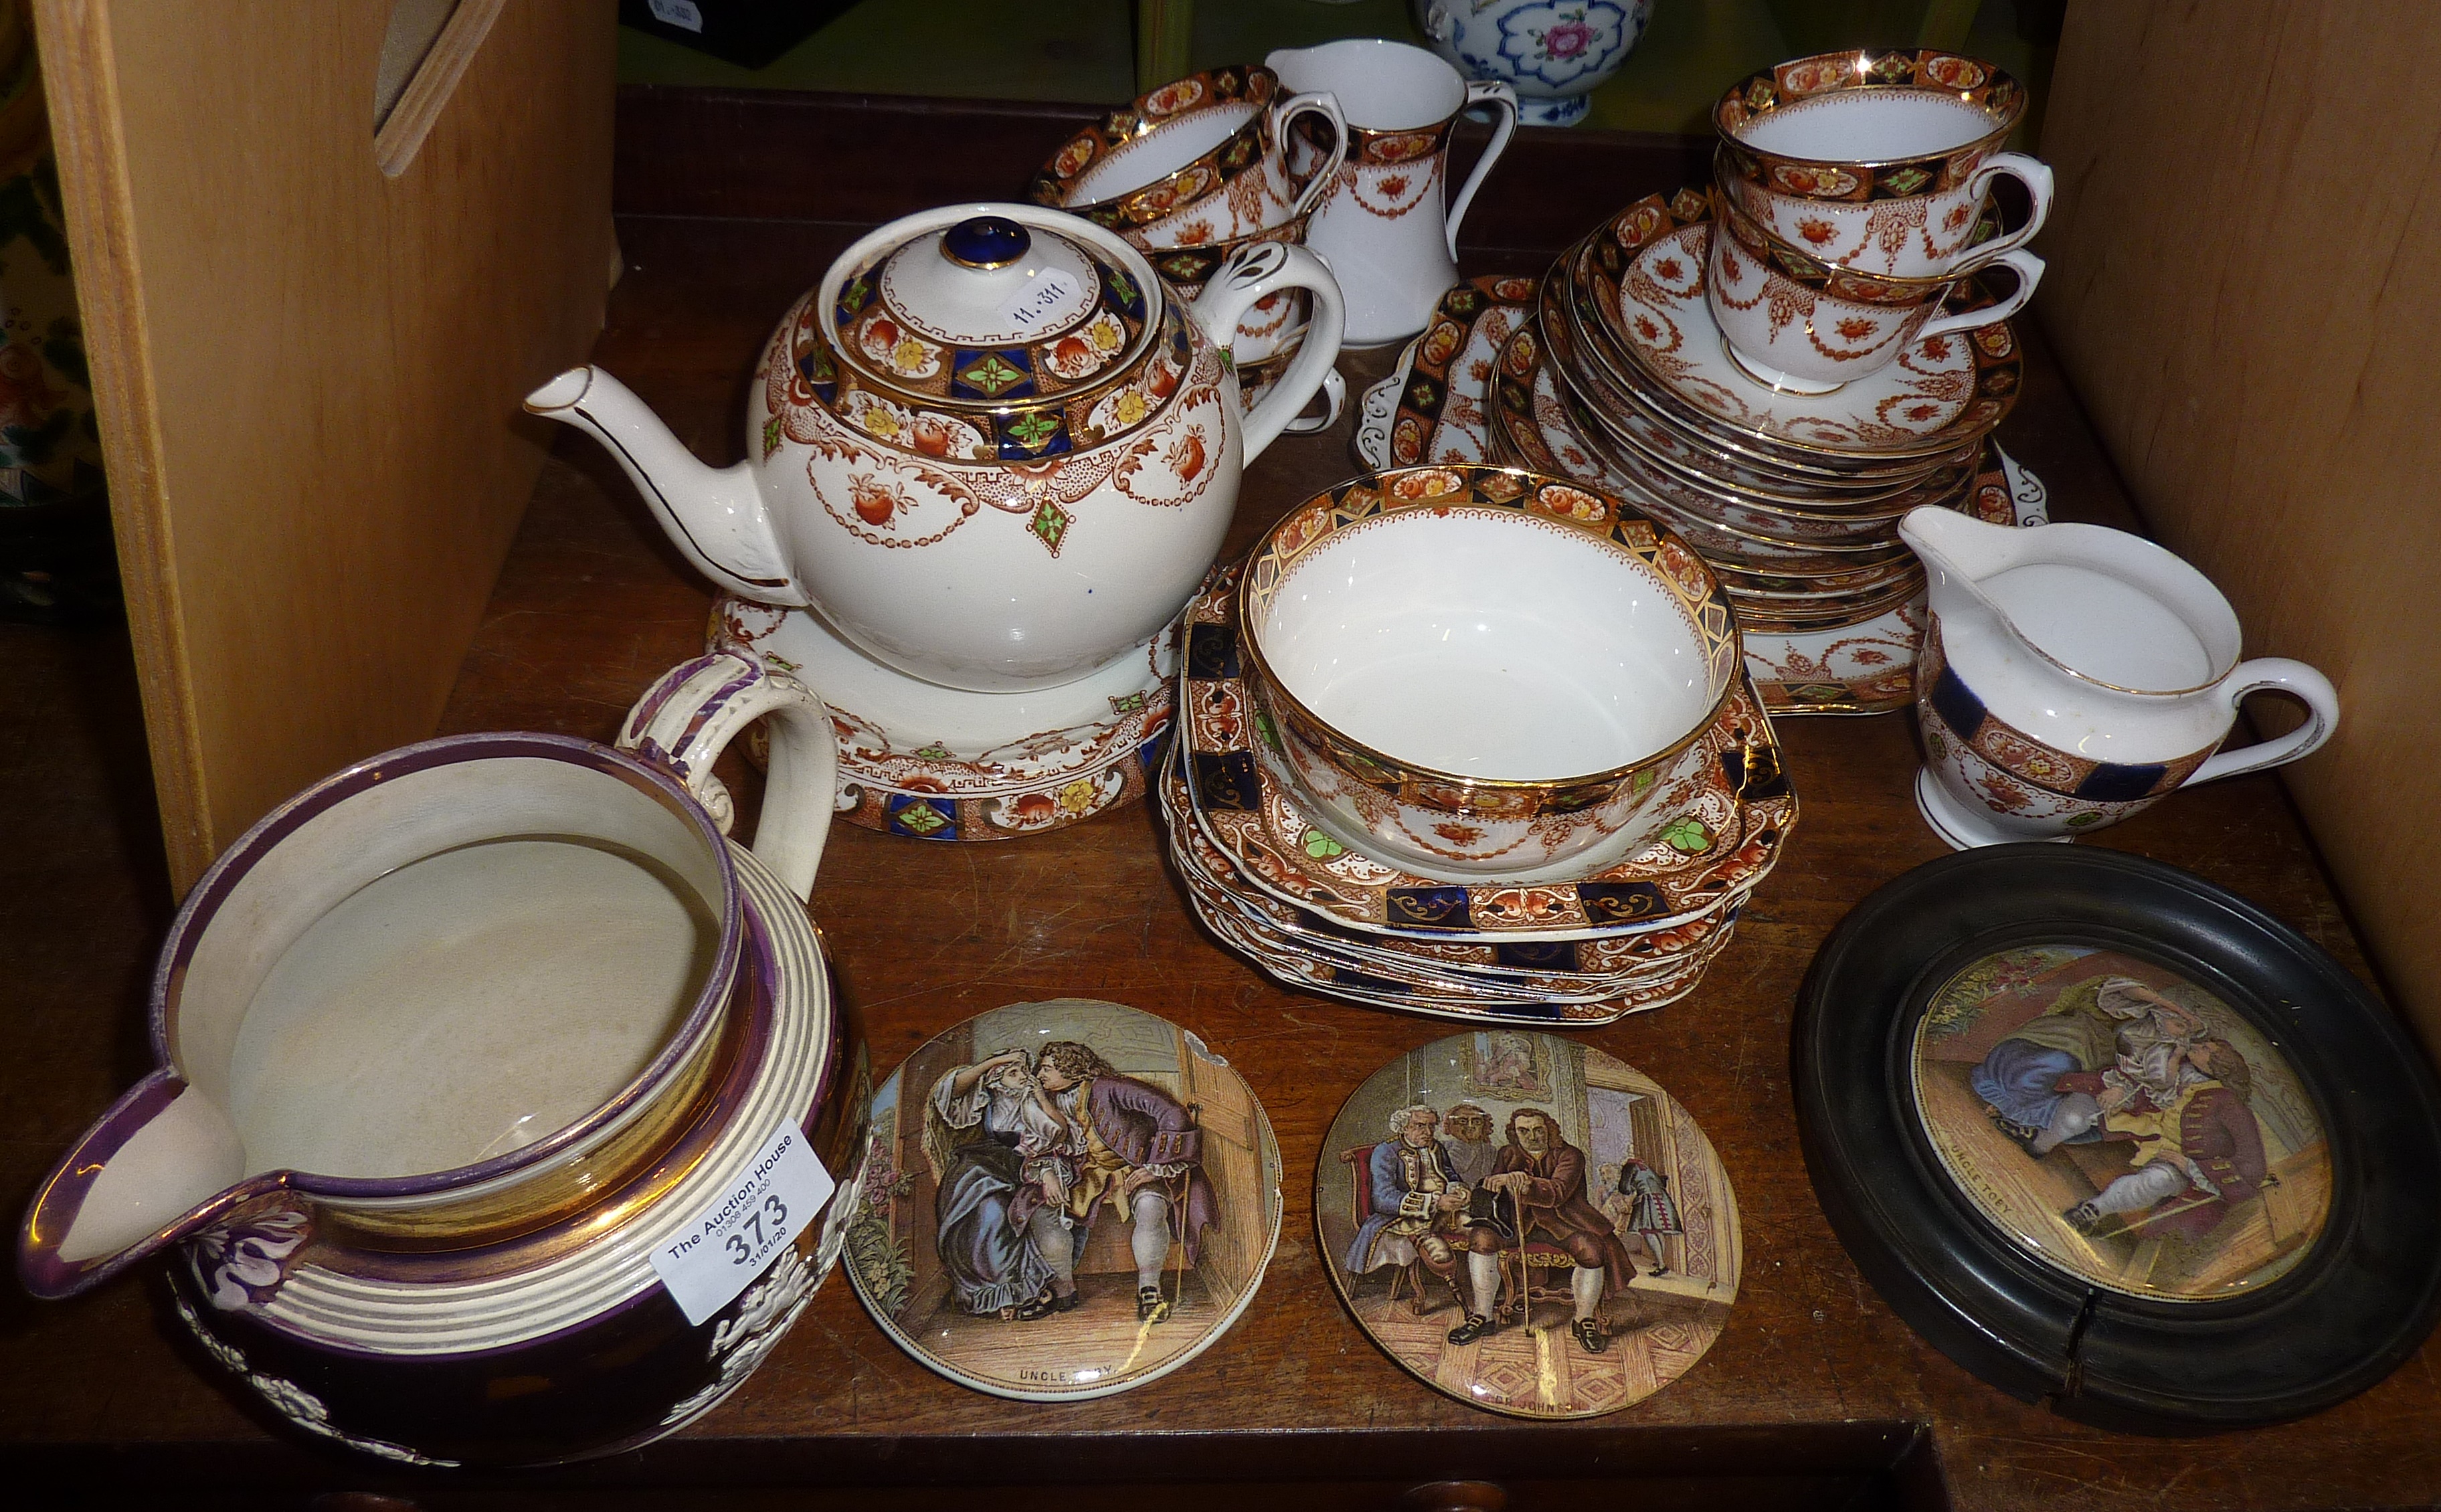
{"x":677,"y":13}
{"x":1044,"y":293}
{"x":710,"y":1261}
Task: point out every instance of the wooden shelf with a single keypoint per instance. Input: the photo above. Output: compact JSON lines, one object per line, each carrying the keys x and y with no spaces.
{"x":1815,"y":1393}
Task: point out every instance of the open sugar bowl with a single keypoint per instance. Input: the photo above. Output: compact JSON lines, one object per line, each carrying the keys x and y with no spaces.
{"x":1481,"y":670}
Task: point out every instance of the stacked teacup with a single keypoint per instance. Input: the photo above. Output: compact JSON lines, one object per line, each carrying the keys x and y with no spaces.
{"x":1781,"y":364}
{"x":1195,"y":171}
{"x":1476,"y":743}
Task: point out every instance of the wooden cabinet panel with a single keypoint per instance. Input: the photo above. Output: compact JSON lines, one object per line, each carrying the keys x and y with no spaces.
{"x":2245,"y":289}
{"x":307,"y":369}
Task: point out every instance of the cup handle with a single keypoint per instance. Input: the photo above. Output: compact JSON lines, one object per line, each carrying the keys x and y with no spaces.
{"x":1283,"y":116}
{"x":2309,"y":687}
{"x":689,"y":717}
{"x":1335,"y":396}
{"x":2032,"y":172}
{"x":2029,"y":269}
{"x":1251,"y":274}
{"x":1503,"y":99}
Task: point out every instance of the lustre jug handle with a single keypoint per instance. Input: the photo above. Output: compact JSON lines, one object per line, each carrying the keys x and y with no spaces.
{"x":1503,"y":102}
{"x":2279,"y":673}
{"x":690,"y":715}
{"x":1251,"y":275}
{"x":1325,"y":177}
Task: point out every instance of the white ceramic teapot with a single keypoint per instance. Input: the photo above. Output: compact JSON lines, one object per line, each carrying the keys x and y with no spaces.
{"x":985,"y":446}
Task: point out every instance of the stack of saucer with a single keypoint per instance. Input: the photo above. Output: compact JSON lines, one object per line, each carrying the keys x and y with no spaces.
{"x":1622,"y":380}
{"x":1628,"y":922}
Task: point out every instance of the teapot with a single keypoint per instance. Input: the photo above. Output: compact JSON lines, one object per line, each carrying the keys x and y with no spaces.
{"x":986,"y":447}
{"x":2073,"y":676}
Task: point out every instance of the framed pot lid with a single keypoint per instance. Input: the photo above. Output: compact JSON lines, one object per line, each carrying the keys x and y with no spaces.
{"x":1066,"y":1199}
{"x":2117,"y":1141}
{"x":1527,"y":1224}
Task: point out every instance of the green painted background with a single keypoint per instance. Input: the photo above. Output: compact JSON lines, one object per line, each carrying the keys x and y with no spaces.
{"x":1084,"y":50}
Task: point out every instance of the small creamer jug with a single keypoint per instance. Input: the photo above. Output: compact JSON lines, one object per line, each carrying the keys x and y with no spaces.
{"x":2073,"y":674}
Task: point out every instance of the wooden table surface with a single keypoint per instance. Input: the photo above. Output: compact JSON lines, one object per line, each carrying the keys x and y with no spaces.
{"x":1815,"y":1393}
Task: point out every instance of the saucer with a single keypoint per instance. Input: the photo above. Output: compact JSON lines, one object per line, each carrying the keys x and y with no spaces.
{"x":944,"y":764}
{"x":983,"y":1244}
{"x":1499,"y":1323}
{"x":1447,"y":977}
{"x":1432,"y":406}
{"x":1648,"y":273}
{"x":1729,"y":831}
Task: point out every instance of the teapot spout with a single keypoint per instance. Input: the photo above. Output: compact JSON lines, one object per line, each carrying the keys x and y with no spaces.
{"x":715,"y":516}
{"x":160,"y":1165}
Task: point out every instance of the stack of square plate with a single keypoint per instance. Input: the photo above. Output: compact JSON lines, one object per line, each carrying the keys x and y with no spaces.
{"x":1610,"y":370}
{"x":1598,"y":937}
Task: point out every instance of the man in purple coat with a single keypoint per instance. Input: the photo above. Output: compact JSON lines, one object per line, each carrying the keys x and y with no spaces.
{"x":1143,"y":1158}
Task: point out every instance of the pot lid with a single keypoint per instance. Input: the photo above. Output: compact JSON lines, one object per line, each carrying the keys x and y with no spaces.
{"x":993,"y":310}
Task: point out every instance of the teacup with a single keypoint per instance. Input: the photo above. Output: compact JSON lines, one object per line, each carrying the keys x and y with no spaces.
{"x":1381,"y":227}
{"x":1801,"y":326}
{"x":1269,"y":334}
{"x":1197,"y":162}
{"x":1477,"y":671}
{"x":1878,"y":162}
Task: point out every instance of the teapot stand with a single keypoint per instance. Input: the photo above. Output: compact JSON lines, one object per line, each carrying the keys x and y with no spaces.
{"x":944,"y":763}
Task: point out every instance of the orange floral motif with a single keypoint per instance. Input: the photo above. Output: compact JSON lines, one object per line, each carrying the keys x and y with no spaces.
{"x":1935,"y":349}
{"x":1395,"y":185}
{"x":2002,"y":794}
{"x":1856,"y":328}
{"x":1818,"y":232}
{"x":1400,"y":149}
{"x":1185,"y":456}
{"x":1645,"y":328}
{"x":1670,"y":269}
{"x":875,"y":501}
{"x":1458,"y":833}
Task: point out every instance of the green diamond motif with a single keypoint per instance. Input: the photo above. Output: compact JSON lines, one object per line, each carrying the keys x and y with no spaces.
{"x":1908,"y":180}
{"x":935,"y":753}
{"x":2078,"y":821}
{"x":852,"y":297}
{"x":1124,"y":287}
{"x":1228,"y":360}
{"x":771,"y":435}
{"x":921,"y":818}
{"x":1264,"y":728}
{"x":1321,"y":847}
{"x":1689,"y":834}
{"x":1049,"y":524}
{"x":1131,"y":704}
{"x":1643,"y":780}
{"x":993,"y":376}
{"x":1033,"y":428}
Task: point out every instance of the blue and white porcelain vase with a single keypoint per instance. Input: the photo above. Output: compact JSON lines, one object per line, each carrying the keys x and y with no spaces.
{"x":1554,"y":52}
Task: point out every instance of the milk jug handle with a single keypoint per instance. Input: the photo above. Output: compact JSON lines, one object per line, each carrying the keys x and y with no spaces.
{"x":2294,"y":677}
{"x":690,"y":715}
{"x":1503,"y":102}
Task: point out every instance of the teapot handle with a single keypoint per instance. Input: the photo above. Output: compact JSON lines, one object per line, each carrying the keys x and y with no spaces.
{"x":1251,"y":275}
{"x":2309,"y":687}
{"x":1327,"y":174}
{"x":690,"y":715}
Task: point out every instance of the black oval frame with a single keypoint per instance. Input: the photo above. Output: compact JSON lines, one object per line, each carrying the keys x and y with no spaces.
{"x":2351,"y":1311}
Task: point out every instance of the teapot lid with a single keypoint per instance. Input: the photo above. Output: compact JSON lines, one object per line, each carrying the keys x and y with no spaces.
{"x":990,"y":307}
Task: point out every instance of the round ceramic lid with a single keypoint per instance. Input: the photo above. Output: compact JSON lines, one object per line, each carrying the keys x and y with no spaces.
{"x":991,"y":310}
{"x":1527,"y":1224}
{"x":1066,"y":1199}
